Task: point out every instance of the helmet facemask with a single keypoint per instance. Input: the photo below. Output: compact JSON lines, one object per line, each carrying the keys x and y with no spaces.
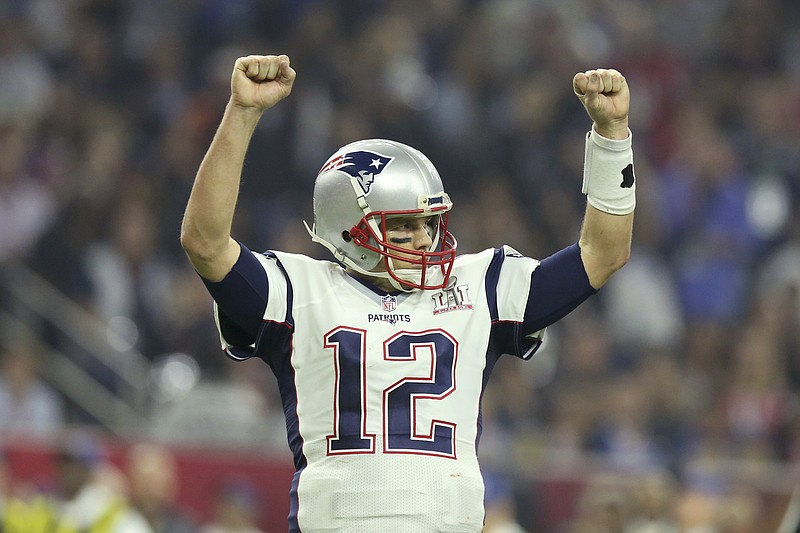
{"x":431,"y":268}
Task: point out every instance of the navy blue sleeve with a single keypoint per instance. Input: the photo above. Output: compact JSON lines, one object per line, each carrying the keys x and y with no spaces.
{"x":558,"y":285}
{"x":241,"y":298}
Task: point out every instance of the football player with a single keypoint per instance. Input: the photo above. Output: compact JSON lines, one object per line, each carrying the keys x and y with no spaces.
{"x":381,"y":357}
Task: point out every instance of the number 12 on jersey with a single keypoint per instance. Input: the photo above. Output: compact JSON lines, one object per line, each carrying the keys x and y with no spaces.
{"x":400,"y":400}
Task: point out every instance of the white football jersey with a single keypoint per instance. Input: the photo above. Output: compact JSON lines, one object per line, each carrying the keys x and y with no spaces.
{"x":382,"y":392}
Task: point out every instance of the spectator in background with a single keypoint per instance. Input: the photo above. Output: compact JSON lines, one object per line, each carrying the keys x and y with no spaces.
{"x":5,"y":490}
{"x":776,"y":298}
{"x":130,"y":278}
{"x":758,"y":405}
{"x":623,"y":437}
{"x":153,"y":473}
{"x":27,"y":206}
{"x":709,"y":237}
{"x":698,"y":511}
{"x":654,"y":496}
{"x":643,"y":307}
{"x":500,"y":505}
{"x":188,"y":324}
{"x":603,"y":507}
{"x":236,"y":508}
{"x":24,"y":75}
{"x":91,"y":491}
{"x":29,"y":407}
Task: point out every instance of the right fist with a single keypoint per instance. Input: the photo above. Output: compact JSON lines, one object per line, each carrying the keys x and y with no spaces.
{"x":260,"y":82}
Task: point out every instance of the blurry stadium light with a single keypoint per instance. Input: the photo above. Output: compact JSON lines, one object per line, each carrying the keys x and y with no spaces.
{"x":174,"y":375}
{"x":122,"y":333}
{"x":768,"y":206}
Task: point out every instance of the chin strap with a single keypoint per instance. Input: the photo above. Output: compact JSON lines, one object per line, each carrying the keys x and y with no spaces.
{"x":339,"y":255}
{"x":316,"y":238}
{"x":412,"y":275}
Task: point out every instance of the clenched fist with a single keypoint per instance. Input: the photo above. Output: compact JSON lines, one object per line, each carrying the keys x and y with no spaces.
{"x":260,"y":82}
{"x":605,"y":95}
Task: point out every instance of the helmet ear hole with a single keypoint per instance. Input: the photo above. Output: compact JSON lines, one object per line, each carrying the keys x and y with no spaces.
{"x":346,"y":236}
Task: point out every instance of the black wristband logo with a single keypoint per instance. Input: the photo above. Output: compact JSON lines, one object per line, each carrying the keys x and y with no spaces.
{"x":627,"y":177}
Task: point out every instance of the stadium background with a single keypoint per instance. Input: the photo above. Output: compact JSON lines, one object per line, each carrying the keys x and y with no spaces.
{"x":685,"y":369}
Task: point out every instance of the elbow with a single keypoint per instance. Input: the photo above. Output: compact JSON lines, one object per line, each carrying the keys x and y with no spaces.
{"x":197,"y":248}
{"x":189,"y":241}
{"x":615,"y":260}
{"x":600,"y":267}
{"x":615,"y":263}
{"x":212,"y":258}
{"x":193,"y":250}
{"x":620,"y":260}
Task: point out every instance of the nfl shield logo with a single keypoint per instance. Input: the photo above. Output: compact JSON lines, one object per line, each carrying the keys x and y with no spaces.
{"x":389,"y":303}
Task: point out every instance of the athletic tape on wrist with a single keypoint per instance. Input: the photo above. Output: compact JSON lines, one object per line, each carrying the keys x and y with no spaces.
{"x":609,"y":182}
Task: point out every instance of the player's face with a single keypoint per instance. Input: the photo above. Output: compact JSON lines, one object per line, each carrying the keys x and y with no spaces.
{"x":412,"y":233}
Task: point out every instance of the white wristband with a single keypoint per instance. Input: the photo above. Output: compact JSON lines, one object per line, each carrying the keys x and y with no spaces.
{"x":609,"y":182}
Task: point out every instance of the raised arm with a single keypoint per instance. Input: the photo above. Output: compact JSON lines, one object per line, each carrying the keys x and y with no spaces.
{"x":609,"y":183}
{"x":257,"y":83}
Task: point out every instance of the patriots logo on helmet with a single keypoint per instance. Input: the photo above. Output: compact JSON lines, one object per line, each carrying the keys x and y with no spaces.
{"x":362,"y":165}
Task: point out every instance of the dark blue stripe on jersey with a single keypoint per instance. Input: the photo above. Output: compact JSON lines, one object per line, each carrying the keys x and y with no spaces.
{"x":274,"y":346}
{"x":506,"y":336}
{"x":241,"y":297}
{"x":279,"y":359}
{"x":294,"y":503}
{"x":492,"y":277}
{"x":492,"y":355}
{"x":499,"y":336}
{"x":492,"y":352}
{"x":558,"y":285}
{"x":284,"y":372}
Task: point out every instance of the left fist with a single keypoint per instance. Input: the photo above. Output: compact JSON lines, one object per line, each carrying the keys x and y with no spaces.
{"x":605,"y":95}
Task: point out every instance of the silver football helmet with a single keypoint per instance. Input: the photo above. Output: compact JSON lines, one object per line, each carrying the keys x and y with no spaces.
{"x":361,"y":186}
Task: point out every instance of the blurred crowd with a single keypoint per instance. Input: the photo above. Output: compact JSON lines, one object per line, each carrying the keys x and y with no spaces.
{"x":681,"y":375}
{"x":90,"y":493}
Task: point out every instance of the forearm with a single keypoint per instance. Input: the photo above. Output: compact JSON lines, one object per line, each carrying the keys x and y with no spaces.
{"x":609,"y":185}
{"x":605,"y":244}
{"x":206,"y":229}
